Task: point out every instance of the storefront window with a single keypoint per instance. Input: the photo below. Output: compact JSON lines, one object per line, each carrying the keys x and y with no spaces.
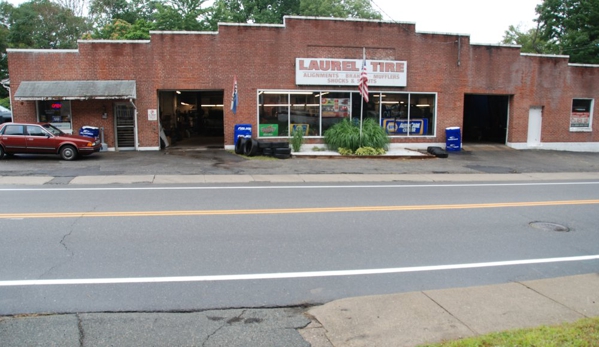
{"x":273,"y":114}
{"x":335,"y":107}
{"x":305,"y":114}
{"x":57,"y":113}
{"x":581,"y":116}
{"x":395,"y":112}
{"x":401,"y":114}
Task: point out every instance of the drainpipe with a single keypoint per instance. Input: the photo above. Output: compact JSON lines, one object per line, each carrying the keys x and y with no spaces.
{"x":135,"y":123}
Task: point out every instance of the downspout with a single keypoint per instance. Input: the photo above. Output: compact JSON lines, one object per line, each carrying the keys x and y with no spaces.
{"x":135,"y":124}
{"x":459,"y":50}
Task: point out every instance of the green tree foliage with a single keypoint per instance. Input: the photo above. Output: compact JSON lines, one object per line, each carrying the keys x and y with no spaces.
{"x":339,"y":9}
{"x":44,"y":24}
{"x":530,"y":40}
{"x":252,"y":11}
{"x":571,"y":27}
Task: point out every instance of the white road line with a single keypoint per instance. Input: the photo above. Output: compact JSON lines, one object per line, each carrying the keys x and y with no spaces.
{"x":289,"y":275}
{"x":371,"y":186}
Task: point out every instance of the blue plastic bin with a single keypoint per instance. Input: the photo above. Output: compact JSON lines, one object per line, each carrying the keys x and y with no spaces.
{"x":453,"y":139}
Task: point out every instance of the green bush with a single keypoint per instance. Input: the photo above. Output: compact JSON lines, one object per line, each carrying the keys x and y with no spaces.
{"x":298,"y":139}
{"x":367,"y":151}
{"x":345,"y":151}
{"x":346,"y":134}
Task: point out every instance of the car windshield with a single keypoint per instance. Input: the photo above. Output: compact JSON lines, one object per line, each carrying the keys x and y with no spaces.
{"x":52,"y":129}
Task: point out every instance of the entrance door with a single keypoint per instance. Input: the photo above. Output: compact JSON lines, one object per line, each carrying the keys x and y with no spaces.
{"x":125,"y":126}
{"x":534,"y":126}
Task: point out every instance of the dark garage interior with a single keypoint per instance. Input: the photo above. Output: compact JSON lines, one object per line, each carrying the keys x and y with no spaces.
{"x":485,"y":118}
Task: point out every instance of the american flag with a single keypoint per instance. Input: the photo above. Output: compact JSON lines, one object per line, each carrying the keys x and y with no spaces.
{"x":363,"y":85}
{"x":235,"y":97}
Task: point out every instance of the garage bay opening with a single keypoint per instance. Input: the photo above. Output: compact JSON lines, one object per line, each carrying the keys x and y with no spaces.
{"x":485,"y":118}
{"x":192,"y":118}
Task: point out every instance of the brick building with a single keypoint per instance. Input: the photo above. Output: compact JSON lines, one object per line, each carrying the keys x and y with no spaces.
{"x":178,"y":86}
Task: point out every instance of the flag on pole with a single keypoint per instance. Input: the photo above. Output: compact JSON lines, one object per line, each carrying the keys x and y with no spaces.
{"x":235,"y":97}
{"x":363,"y":84}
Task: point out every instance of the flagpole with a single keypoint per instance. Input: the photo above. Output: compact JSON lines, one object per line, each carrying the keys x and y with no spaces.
{"x":362,"y":99}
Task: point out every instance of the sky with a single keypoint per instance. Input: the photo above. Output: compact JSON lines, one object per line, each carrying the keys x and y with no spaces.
{"x":484,"y":20}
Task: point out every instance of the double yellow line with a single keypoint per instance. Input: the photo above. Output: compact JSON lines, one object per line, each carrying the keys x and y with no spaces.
{"x":292,"y":210}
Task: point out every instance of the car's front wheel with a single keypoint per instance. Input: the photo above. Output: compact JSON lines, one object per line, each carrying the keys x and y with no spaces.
{"x":68,"y":153}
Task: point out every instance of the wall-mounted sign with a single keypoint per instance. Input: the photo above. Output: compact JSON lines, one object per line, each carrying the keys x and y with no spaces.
{"x":152,"y":114}
{"x":346,"y":72}
{"x":401,"y":127}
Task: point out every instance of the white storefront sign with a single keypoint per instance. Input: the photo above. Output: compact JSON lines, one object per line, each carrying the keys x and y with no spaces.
{"x":346,"y":72}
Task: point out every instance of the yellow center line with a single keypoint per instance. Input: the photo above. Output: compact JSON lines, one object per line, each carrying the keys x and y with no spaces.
{"x":293,"y":210}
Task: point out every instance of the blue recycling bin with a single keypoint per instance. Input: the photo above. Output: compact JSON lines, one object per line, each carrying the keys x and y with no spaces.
{"x":453,"y":139}
{"x":89,"y":131}
{"x":242,"y":130}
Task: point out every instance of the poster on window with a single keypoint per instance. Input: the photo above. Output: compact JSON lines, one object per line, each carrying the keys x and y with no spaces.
{"x":402,"y":127}
{"x":335,"y":107}
{"x":580,"y":120}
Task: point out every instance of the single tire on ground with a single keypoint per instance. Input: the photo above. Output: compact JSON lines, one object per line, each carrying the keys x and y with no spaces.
{"x":282,"y":156}
{"x":251,"y":147}
{"x":1,"y":152}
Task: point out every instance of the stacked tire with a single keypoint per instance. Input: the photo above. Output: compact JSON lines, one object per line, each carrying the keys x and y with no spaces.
{"x":253,"y":147}
{"x":437,"y":151}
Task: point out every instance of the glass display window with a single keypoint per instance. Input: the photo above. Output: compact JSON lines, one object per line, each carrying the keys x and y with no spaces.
{"x":581,"y":115}
{"x":57,"y":113}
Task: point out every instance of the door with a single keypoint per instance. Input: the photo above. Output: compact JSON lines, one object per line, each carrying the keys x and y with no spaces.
{"x":125,"y":127}
{"x":534,"y":126}
{"x":13,"y":139}
{"x":39,"y":141}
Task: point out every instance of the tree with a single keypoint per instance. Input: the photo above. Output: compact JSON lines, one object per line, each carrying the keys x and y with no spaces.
{"x":273,"y":11}
{"x":339,"y":9}
{"x":44,"y":24}
{"x":571,"y":27}
{"x":530,"y":40}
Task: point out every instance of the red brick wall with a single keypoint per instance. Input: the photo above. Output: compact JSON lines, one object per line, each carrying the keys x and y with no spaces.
{"x":263,"y":57}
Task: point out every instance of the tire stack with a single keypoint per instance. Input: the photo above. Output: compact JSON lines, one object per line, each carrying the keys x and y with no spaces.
{"x":252,"y":147}
{"x":437,"y":152}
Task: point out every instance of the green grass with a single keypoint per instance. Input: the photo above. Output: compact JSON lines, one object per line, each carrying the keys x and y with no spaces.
{"x":583,"y":333}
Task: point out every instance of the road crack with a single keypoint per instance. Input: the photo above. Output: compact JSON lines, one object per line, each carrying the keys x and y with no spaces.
{"x":228,"y":322}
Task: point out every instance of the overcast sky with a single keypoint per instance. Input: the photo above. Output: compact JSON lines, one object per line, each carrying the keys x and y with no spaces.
{"x":484,"y":20}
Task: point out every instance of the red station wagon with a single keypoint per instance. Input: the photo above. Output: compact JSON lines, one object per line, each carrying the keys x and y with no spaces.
{"x":43,"y":138}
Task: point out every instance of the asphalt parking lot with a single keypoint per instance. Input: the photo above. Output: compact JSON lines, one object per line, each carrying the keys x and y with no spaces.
{"x":476,"y":159}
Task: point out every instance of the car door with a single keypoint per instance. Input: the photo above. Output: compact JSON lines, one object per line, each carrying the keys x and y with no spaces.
{"x":13,"y":138}
{"x":39,"y":141}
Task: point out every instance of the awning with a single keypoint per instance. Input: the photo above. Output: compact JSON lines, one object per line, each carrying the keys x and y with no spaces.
{"x":75,"y":90}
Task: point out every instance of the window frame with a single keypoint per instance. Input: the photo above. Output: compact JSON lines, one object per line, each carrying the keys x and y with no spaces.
{"x":374,"y":96}
{"x":588,"y":128}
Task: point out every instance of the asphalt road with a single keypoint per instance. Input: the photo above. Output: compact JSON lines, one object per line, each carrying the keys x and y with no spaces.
{"x":141,"y":248}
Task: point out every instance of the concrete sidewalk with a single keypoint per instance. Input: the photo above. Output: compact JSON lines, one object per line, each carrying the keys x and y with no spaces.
{"x":410,"y":319}
{"x":296,"y":178}
{"x":398,"y":320}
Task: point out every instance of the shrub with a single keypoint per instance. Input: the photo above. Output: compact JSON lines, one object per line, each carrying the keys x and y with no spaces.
{"x":343,"y":135}
{"x":367,"y":151}
{"x":345,"y":151}
{"x":298,"y":139}
{"x":346,"y":134}
{"x":373,"y":135}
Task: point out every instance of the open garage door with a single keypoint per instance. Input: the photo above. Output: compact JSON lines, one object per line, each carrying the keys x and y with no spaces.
{"x":192,"y":118}
{"x":485,"y":118}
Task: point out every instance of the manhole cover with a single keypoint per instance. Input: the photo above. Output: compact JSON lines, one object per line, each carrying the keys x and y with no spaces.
{"x":546,"y":226}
